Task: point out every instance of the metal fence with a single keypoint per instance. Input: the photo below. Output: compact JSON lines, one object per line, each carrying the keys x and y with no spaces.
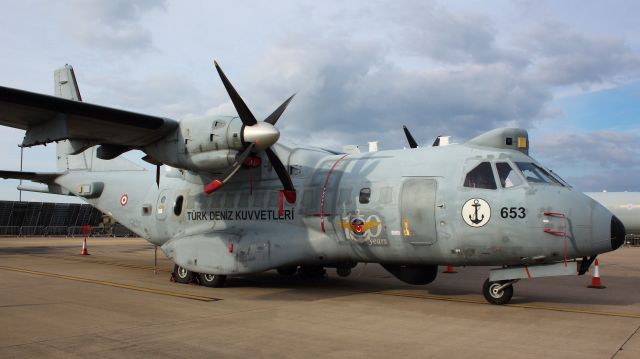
{"x":22,"y":219}
{"x":632,"y":240}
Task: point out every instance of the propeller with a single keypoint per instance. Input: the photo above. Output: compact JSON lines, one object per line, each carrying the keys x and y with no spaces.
{"x":218,"y":183}
{"x":412,"y":141}
{"x":257,"y":136}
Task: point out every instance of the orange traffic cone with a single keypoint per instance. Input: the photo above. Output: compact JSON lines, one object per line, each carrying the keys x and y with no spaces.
{"x":84,"y":250}
{"x":450,"y":270}
{"x":595,"y":280}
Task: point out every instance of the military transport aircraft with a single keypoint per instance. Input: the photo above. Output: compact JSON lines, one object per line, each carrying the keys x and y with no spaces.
{"x":235,"y":200}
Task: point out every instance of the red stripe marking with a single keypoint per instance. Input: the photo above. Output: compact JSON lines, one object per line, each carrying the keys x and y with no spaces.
{"x":527,"y":270}
{"x":551,"y":231}
{"x":554,"y":214}
{"x":324,"y":191}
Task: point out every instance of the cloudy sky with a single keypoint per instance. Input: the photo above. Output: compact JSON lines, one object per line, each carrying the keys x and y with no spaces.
{"x":569,"y":71}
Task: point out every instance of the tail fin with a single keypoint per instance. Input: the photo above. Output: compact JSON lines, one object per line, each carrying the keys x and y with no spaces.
{"x":78,"y":154}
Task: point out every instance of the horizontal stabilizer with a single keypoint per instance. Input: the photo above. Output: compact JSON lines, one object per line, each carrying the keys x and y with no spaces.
{"x":41,"y":177}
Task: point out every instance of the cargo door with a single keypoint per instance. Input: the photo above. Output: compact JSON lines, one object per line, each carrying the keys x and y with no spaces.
{"x":417,"y":210}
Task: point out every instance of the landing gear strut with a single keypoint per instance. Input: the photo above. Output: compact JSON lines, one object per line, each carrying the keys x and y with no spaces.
{"x":498,"y":293}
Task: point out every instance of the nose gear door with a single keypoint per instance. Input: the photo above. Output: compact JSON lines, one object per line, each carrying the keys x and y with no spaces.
{"x":417,"y":210}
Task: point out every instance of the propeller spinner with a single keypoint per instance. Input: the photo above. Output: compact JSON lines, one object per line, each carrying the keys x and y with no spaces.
{"x":257,"y":136}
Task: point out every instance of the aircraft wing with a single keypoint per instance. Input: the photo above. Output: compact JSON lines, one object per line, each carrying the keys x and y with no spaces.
{"x":41,"y":177}
{"x":48,"y":118}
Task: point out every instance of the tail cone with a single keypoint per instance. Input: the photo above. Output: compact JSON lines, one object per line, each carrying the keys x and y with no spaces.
{"x":595,"y":280}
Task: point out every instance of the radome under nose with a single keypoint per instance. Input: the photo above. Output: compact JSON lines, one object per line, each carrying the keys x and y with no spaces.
{"x":618,"y":233}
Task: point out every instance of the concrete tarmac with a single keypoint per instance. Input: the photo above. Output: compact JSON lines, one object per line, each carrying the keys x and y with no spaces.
{"x":55,"y":303}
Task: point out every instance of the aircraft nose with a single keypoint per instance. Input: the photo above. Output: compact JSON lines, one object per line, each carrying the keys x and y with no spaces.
{"x":618,"y":233}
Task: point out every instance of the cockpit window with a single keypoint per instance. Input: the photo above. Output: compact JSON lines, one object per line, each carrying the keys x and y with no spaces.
{"x":508,"y":176}
{"x":536,"y":174}
{"x":481,"y":177}
{"x":557,"y":176}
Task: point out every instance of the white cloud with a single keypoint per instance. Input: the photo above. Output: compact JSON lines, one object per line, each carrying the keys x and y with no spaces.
{"x":111,"y":24}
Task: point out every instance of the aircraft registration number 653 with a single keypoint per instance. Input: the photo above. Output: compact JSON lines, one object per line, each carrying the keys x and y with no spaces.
{"x":513,"y":212}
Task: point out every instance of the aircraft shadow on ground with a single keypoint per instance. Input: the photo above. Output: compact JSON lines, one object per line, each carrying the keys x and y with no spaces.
{"x":296,"y":288}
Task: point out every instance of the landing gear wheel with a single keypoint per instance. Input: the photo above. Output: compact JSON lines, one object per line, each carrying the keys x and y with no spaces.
{"x":494,"y":295}
{"x":312,"y":271}
{"x":182,"y":275}
{"x":288,"y":270}
{"x":212,"y":280}
{"x":343,"y":271}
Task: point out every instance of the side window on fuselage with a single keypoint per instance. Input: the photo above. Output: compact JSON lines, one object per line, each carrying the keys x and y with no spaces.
{"x":481,"y":177}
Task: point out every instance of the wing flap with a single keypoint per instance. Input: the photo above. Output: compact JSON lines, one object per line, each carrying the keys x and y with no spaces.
{"x":48,"y":118}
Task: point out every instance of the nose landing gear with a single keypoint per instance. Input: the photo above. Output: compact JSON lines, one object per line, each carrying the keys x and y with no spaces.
{"x":499,"y":292}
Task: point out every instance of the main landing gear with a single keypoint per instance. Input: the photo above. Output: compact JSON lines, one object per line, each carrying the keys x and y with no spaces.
{"x":185,"y":276}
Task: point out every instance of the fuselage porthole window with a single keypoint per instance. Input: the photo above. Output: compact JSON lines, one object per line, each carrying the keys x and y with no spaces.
{"x":481,"y":176}
{"x":365,"y":195}
{"x":508,"y":175}
{"x":177,"y":208}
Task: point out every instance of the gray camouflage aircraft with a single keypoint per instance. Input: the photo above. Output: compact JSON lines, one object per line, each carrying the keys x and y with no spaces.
{"x":235,"y":201}
{"x":624,"y":205}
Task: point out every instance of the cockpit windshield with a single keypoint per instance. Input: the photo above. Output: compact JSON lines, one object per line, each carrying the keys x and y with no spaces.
{"x":536,"y":174}
{"x":508,"y":176}
{"x":481,"y":177}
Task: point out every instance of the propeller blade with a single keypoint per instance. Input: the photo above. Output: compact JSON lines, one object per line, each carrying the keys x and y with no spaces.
{"x":273,"y":118}
{"x":216,"y":184}
{"x":283,"y":174}
{"x":410,"y":139}
{"x":243,"y":111}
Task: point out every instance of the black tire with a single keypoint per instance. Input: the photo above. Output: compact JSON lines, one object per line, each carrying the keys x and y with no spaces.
{"x":213,"y":280}
{"x":312,"y":271}
{"x":343,"y":271}
{"x":182,"y":275}
{"x":494,"y":297}
{"x":288,"y":270}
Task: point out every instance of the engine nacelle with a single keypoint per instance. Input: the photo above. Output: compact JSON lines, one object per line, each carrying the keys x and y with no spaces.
{"x":200,"y":144}
{"x":413,"y":274}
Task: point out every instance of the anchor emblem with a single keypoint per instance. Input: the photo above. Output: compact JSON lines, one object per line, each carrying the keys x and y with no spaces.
{"x":476,"y":204}
{"x":476,"y":212}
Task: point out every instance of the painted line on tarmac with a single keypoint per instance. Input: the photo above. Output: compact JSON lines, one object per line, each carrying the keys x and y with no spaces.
{"x":109,"y":263}
{"x":524,"y":306}
{"x":113,"y":284}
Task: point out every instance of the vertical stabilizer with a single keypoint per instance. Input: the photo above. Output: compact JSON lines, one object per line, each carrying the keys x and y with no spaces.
{"x":65,"y":84}
{"x":78,"y":154}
